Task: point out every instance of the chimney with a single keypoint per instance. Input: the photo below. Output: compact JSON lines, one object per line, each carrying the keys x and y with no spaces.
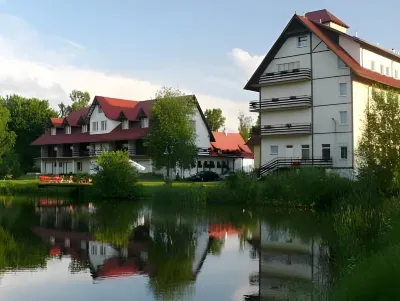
{"x":225,"y":132}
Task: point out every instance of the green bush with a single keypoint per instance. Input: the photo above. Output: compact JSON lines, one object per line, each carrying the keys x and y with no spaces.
{"x":115,"y":177}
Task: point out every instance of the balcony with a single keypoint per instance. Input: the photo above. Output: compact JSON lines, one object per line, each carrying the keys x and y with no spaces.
{"x":291,"y":102}
{"x":286,"y":129}
{"x":300,"y":74}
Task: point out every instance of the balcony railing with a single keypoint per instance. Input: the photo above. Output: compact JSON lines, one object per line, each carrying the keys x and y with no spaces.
{"x":279,"y":163}
{"x":282,"y":76}
{"x":285,"y":129}
{"x":303,"y":101}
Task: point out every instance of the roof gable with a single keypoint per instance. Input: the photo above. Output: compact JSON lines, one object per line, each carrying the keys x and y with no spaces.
{"x":229,"y":142}
{"x":112,"y":107}
{"x":324,"y":16}
{"x":56,"y":122}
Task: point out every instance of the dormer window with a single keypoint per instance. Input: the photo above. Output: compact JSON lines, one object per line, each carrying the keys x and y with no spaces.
{"x":144,"y":123}
{"x":84,"y":128}
{"x":125,"y":124}
{"x":53,"y":131}
{"x":68,"y":129}
{"x":99,"y":109}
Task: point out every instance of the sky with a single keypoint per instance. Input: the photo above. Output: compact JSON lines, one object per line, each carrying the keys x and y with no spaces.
{"x":129,"y":49}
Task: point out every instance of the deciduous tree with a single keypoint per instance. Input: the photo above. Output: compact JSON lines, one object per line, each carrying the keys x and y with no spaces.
{"x":171,"y":142}
{"x":63,"y":110}
{"x":79,"y":99}
{"x":214,"y":119}
{"x":245,"y":124}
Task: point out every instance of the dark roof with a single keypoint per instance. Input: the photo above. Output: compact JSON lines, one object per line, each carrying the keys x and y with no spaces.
{"x":116,"y":134}
{"x":323,"y":16}
{"x":74,"y":117}
{"x":325,"y":34}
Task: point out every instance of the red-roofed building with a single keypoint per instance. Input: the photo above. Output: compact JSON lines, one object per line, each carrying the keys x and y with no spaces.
{"x":313,"y":88}
{"x":70,"y":144}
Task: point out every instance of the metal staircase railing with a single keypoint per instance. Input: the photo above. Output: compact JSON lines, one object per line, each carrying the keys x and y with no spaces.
{"x":283,"y":162}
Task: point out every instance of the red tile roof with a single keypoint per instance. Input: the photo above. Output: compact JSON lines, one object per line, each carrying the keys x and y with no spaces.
{"x":57,"y":122}
{"x":346,"y":58}
{"x":112,"y":107}
{"x":229,"y":142}
{"x":113,"y":268}
{"x":323,"y":16}
{"x":116,"y":134}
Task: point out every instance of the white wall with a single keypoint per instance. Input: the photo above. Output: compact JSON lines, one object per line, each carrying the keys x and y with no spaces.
{"x":95,"y":258}
{"x":336,"y":140}
{"x":351,"y":46}
{"x":303,"y":59}
{"x":289,"y":89}
{"x":326,"y":64}
{"x":323,"y":122}
{"x":96,"y":116}
{"x":290,"y":48}
{"x":327,"y":91}
{"x":368,"y":56}
{"x":202,"y":136}
{"x":287,"y":116}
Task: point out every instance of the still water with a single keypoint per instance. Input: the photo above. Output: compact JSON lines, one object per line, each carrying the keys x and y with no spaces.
{"x":53,"y":249}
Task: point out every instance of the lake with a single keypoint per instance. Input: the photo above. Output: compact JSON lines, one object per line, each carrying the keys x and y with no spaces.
{"x":55,"y":249}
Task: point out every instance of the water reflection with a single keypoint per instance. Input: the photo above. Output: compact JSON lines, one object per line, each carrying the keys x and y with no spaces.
{"x":149,"y":254}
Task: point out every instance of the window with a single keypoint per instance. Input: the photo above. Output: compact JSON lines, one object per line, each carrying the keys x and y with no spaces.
{"x":343,"y":152}
{"x":53,"y":131}
{"x":382,"y":69}
{"x":341,"y":64}
{"x":274,"y":149}
{"x":343,"y":89}
{"x":343,"y":117}
{"x":302,"y":41}
{"x":94,"y":250}
{"x":104,"y":125}
{"x":125,"y":124}
{"x":60,"y":164}
{"x":95,"y":126}
{"x":212,"y":164}
{"x":144,"y":123}
{"x":305,"y":152}
{"x":199,"y":164}
{"x":288,"y":66}
{"x":79,"y":166}
{"x":103,"y":250}
{"x":68,"y":129}
{"x":84,"y":128}
{"x":387,"y":71}
{"x":326,"y":151}
{"x":218,"y":164}
{"x":372,"y":65}
{"x":99,"y":109}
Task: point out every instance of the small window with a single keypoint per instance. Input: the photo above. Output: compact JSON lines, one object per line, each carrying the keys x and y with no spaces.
{"x":341,"y":64}
{"x":84,"y":128}
{"x":343,"y":117}
{"x":68,"y":129}
{"x":199,"y":164}
{"x":125,"y":124}
{"x":144,"y":123}
{"x":99,"y":109}
{"x":218,"y":164}
{"x":302,"y":41}
{"x":274,"y":149}
{"x":305,"y":151}
{"x":104,"y":125}
{"x":387,"y":71}
{"x":94,"y":250}
{"x":343,"y":152}
{"x":53,"y":131}
{"x":103,"y":250}
{"x":95,"y":126}
{"x":382,"y":69}
{"x":372,"y":65}
{"x":326,"y":151}
{"x":60,"y":164}
{"x":343,"y":89}
{"x":79,"y":166}
{"x":212,"y":164}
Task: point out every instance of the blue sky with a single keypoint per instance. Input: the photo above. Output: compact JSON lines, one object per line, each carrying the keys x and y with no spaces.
{"x":209,"y":48}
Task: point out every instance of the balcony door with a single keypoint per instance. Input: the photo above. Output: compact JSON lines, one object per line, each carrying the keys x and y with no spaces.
{"x":289,"y":151}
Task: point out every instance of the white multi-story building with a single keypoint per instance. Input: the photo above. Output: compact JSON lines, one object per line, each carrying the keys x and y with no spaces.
{"x":70,"y":144}
{"x":313,"y":87}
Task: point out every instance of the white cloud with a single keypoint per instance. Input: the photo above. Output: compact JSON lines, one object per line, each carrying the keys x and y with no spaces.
{"x":247,"y":62}
{"x":34,"y":65}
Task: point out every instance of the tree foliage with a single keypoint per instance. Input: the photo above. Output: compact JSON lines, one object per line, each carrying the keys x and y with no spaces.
{"x":7,"y":137}
{"x":171,"y":142}
{"x":245,"y":124}
{"x":29,"y":117}
{"x":378,"y":153}
{"x":115,"y":177}
{"x":214,"y":119}
{"x":63,"y":110}
{"x":80,"y":100}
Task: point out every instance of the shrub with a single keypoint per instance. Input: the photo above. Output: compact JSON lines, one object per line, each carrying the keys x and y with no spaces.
{"x":115,"y":177}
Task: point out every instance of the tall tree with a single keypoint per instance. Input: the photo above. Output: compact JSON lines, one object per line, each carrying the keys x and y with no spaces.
{"x":63,"y":110}
{"x":214,"y":119}
{"x":79,"y":99}
{"x":378,"y":153}
{"x":7,"y":137}
{"x":171,"y":142}
{"x":29,"y":119}
{"x":245,"y":124}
